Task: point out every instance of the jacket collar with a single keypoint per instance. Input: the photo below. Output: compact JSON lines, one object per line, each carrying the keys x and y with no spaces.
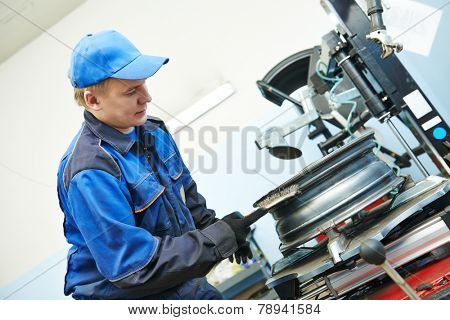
{"x":118,"y":140}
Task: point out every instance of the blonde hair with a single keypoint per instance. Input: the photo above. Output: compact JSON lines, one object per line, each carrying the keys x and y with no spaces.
{"x":98,"y":88}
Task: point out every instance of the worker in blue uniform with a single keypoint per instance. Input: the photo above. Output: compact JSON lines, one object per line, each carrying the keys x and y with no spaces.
{"x":138,"y":227}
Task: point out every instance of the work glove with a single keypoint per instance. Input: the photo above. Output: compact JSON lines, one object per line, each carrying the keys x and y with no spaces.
{"x":242,"y":254}
{"x":239,"y":226}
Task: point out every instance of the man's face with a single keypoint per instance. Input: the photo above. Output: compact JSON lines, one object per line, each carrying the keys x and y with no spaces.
{"x":123,"y":106}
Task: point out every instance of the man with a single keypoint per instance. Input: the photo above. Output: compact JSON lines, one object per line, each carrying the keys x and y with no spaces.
{"x":138,"y":227}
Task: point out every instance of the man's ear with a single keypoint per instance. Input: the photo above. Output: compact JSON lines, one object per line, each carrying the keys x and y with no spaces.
{"x":92,"y":101}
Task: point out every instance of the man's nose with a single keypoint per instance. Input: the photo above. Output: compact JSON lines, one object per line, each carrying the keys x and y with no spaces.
{"x":144,"y":96}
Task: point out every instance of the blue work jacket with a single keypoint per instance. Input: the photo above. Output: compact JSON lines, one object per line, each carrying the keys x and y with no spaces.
{"x":138,"y":227}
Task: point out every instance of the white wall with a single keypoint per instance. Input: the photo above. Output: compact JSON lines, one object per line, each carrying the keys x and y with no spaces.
{"x":209,"y":42}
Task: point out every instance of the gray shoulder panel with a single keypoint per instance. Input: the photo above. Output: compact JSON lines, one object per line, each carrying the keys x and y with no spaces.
{"x":152,"y":121}
{"x":89,"y":154}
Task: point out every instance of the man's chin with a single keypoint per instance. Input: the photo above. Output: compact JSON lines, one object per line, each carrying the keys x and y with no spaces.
{"x":141,"y":120}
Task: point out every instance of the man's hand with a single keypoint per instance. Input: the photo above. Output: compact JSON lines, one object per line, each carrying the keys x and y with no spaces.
{"x":242,"y":254}
{"x":239,"y":226}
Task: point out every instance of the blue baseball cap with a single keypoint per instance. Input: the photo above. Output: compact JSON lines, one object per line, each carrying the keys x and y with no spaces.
{"x":108,"y":54}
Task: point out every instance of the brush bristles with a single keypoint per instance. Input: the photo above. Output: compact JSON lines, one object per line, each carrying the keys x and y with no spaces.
{"x":278,"y":196}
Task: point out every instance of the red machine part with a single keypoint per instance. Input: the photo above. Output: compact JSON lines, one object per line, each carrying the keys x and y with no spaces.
{"x":436,"y":275}
{"x":371,"y":206}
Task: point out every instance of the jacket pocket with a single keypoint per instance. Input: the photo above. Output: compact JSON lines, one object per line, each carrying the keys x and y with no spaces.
{"x":174,"y":166}
{"x":149,"y":206}
{"x":145,"y":192}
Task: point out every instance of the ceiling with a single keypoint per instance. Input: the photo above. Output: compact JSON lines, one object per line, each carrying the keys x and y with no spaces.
{"x":23,"y":20}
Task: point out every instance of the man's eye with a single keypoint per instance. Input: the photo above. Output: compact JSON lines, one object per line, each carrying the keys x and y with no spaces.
{"x":131,"y":92}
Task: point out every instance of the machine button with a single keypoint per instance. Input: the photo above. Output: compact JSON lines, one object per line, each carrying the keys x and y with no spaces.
{"x":439,"y":133}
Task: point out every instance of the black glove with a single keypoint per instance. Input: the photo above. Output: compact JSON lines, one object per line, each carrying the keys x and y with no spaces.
{"x":239,"y":226}
{"x":242,"y":254}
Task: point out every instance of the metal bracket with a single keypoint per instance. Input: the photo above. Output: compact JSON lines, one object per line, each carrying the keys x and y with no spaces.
{"x":387,"y":45}
{"x":273,"y":136}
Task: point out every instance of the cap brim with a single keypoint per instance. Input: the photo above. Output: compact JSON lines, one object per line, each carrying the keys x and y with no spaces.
{"x":140,"y":68}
